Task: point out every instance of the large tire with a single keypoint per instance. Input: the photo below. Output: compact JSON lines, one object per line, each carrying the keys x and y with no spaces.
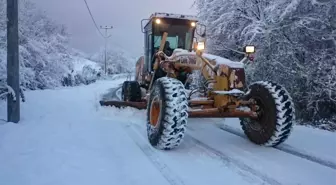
{"x":167,"y":113}
{"x":131,"y":91}
{"x":275,"y":121}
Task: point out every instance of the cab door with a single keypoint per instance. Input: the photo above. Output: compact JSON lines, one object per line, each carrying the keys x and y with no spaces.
{"x":148,"y":47}
{"x":150,"y":52}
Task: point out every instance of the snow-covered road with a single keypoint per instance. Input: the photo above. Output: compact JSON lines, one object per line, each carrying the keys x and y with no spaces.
{"x":66,"y":138}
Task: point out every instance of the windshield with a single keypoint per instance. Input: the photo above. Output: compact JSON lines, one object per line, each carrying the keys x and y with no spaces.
{"x":179,"y":36}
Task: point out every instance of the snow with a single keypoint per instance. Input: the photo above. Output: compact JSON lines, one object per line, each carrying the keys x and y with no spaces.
{"x":65,"y":137}
{"x":296,"y":61}
{"x":281,"y":167}
{"x":314,"y":142}
{"x":290,"y":8}
{"x":175,"y":16}
{"x":118,"y":60}
{"x":80,"y":62}
{"x":8,"y":90}
{"x":219,"y":60}
{"x":45,"y":53}
{"x":233,"y":91}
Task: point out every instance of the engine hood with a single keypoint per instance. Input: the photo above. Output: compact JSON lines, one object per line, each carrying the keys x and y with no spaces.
{"x":186,"y":56}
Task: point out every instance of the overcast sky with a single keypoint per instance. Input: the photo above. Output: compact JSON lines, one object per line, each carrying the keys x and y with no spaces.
{"x":124,"y":15}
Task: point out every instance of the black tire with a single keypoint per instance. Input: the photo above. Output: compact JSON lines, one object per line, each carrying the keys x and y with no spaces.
{"x":276,"y":119}
{"x":166,"y":130}
{"x":131,"y":91}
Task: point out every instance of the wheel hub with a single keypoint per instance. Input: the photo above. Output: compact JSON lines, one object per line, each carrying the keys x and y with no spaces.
{"x":155,"y":110}
{"x":259,"y":109}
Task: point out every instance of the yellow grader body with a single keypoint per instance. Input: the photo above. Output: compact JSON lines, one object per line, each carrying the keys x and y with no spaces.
{"x":265,"y":109}
{"x":223,"y":79}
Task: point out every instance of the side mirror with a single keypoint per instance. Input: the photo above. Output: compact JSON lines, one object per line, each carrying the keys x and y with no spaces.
{"x":201,"y":29}
{"x":142,"y":25}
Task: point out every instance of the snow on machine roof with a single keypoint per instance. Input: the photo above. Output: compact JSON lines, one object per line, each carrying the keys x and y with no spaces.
{"x":174,"y":16}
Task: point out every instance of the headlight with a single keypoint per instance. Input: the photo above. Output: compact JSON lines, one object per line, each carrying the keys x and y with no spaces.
{"x":193,"y":24}
{"x":249,"y":49}
{"x":200,"y":46}
{"x":157,"y":21}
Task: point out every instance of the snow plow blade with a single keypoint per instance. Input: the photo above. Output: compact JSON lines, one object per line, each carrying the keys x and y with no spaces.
{"x":119,"y":104}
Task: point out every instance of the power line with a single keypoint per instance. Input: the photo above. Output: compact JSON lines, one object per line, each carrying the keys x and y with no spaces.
{"x":94,"y":22}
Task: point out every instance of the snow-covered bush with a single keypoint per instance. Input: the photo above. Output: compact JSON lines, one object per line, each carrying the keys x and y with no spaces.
{"x":295,"y":42}
{"x":89,"y":74}
{"x":85,"y":76}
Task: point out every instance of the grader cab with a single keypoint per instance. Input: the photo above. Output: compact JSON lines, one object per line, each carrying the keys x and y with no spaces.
{"x":174,"y":50}
{"x":164,"y":32}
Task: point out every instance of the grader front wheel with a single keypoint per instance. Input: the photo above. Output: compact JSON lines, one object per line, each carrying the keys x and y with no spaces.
{"x":275,"y":114}
{"x":167,"y":113}
{"x":155,"y":110}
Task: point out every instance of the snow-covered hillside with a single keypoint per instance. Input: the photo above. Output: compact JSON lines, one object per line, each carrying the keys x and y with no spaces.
{"x":66,"y":138}
{"x":45,"y":55}
{"x":118,"y":60}
{"x":80,"y":62}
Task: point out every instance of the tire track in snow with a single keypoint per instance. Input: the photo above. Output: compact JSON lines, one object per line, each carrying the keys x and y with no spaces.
{"x":235,"y":165}
{"x":229,"y":160}
{"x":164,"y":169}
{"x":170,"y":176}
{"x":287,"y":149}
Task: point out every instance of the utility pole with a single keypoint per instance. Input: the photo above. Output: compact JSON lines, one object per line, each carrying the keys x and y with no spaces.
{"x":13,"y":75}
{"x":106,"y":37}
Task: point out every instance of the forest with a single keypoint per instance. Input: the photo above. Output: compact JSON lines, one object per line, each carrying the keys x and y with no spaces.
{"x":295,"y":44}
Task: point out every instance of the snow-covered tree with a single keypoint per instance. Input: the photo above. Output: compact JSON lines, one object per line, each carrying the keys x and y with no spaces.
{"x":295,"y":42}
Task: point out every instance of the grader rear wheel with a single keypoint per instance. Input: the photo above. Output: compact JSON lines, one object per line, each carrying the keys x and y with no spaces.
{"x":167,"y":113}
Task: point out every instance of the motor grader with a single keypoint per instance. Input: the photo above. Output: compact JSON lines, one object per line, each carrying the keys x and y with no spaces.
{"x":174,"y":49}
